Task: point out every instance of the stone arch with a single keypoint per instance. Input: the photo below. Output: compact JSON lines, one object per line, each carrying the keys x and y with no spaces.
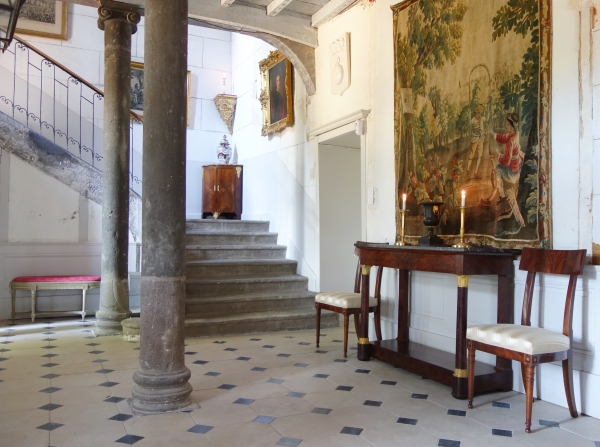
{"x":301,"y":56}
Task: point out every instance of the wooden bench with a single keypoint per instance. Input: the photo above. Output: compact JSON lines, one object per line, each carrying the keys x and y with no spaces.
{"x":35,"y":283}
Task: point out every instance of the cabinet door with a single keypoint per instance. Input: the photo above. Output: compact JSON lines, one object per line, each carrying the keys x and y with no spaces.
{"x":226,"y":188}
{"x":209,"y":189}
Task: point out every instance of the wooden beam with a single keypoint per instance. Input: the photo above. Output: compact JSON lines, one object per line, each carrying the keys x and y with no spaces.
{"x":276,"y":6}
{"x":329,"y":11}
{"x":227,"y":3}
{"x":246,"y":18}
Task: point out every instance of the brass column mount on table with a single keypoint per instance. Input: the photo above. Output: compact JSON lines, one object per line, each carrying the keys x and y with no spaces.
{"x":226,"y":106}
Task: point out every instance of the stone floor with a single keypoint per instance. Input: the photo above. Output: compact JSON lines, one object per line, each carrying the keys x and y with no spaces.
{"x":61,"y":387}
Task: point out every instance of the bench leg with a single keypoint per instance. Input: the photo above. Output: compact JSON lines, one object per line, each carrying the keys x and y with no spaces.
{"x":33,"y":302}
{"x":13,"y":299}
{"x":84,"y":295}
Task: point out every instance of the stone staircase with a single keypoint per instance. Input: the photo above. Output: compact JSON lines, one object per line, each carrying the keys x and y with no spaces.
{"x":239,"y":282}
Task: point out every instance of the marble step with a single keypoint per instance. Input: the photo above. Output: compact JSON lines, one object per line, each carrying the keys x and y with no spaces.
{"x":205,"y":252}
{"x":255,"y":322}
{"x":223,"y":268}
{"x":237,"y":226}
{"x":253,"y":302}
{"x":197,"y":237}
{"x":239,"y":286}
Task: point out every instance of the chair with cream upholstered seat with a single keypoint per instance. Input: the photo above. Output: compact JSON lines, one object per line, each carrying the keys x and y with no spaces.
{"x":349,"y":304}
{"x":530,"y":345}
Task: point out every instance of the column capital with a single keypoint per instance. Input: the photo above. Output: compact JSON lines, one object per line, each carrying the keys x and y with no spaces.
{"x":111,"y":10}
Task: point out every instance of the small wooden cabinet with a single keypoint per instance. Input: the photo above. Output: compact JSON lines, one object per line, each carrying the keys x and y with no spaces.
{"x":222,"y":191}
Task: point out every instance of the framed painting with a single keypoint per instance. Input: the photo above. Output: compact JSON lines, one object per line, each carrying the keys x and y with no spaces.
{"x":277,"y":96}
{"x":43,"y":18}
{"x":472,"y":113}
{"x":137,"y":89}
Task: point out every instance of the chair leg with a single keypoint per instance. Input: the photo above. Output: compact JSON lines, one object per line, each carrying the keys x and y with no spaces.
{"x":13,"y":297}
{"x":318,"y":323}
{"x":377,"y":321}
{"x":357,"y":325}
{"x":529,"y":378}
{"x":567,"y":366}
{"x":471,"y":372}
{"x":346,"y":320}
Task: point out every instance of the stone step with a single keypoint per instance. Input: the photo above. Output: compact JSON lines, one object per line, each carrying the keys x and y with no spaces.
{"x":238,"y":226}
{"x":222,"y":268}
{"x":197,"y":237}
{"x":239,"y":286}
{"x":205,"y":252}
{"x":248,"y":323}
{"x":247,"y":303}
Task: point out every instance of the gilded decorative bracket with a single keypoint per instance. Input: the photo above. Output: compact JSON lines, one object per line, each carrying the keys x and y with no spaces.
{"x":226,"y":106}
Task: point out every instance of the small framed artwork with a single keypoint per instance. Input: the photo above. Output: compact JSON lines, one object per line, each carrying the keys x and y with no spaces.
{"x":43,"y":18}
{"x":277,"y":96}
{"x":137,"y":89}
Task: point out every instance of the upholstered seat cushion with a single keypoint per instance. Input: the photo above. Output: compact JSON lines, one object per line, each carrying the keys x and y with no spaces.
{"x":525,"y":339}
{"x":344,"y":300}
{"x":56,"y":278}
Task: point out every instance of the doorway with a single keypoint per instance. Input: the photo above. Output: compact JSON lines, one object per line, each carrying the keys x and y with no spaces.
{"x":340,"y":221}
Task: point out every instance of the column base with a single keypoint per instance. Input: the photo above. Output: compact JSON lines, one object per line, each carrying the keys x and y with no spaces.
{"x":159,"y":392}
{"x":109,"y":323}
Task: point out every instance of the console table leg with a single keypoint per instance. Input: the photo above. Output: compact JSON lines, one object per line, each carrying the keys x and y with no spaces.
{"x":459,"y":383}
{"x":364,"y":347}
{"x":403,"y":314}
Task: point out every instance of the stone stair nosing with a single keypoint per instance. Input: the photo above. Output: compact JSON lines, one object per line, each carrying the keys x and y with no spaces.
{"x":255,"y":322}
{"x":220,"y":305}
{"x":201,"y":252}
{"x":230,"y":286}
{"x":202,"y":237}
{"x":227,"y":225}
{"x":227,"y":268}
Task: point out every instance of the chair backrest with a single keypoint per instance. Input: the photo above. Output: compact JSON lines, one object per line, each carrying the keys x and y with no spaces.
{"x":358,"y":282}
{"x":558,"y":262}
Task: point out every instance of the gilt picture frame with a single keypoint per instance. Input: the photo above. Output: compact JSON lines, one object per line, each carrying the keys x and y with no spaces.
{"x":472,"y":108}
{"x":277,"y":95}
{"x":43,"y":18}
{"x":137,"y":90}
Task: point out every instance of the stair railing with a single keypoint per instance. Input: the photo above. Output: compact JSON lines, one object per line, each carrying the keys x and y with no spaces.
{"x":55,"y":102}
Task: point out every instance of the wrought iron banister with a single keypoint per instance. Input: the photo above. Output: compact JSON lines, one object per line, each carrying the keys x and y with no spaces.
{"x":60,"y":105}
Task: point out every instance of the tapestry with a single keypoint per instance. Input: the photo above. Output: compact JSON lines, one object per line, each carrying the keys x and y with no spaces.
{"x":471,"y":112}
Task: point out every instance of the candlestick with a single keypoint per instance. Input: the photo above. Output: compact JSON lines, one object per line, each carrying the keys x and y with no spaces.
{"x":400,"y":242}
{"x":463,"y":198}
{"x":403,"y":202}
{"x":462,"y":243}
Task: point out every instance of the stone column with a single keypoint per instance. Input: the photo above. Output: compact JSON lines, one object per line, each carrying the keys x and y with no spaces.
{"x":118,"y":20}
{"x":162,"y":378}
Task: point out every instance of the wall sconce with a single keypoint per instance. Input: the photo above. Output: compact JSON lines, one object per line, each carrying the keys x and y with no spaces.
{"x":9,"y":13}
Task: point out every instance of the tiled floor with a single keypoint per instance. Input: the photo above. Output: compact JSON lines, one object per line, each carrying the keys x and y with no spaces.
{"x":61,"y":387}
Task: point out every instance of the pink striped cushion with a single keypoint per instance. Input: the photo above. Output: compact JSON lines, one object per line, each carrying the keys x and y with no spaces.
{"x":56,"y":278}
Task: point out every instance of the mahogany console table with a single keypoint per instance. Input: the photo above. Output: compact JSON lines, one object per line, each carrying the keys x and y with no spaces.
{"x":447,"y":368}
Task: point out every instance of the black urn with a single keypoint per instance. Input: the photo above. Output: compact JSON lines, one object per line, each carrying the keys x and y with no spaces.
{"x":433,"y":211}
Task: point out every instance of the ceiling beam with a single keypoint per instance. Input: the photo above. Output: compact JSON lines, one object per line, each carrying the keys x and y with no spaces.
{"x":246,"y":18}
{"x":331,"y":9}
{"x":276,"y":6}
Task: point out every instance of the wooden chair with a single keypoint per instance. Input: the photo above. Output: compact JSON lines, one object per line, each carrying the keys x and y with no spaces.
{"x":349,"y":304}
{"x":530,"y":345}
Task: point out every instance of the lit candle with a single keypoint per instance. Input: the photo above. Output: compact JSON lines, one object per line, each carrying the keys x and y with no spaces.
{"x":403,"y":202}
{"x":463,"y":197}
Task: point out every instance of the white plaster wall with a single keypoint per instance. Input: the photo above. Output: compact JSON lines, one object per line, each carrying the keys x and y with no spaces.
{"x":44,"y":218}
{"x":575,"y":158}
